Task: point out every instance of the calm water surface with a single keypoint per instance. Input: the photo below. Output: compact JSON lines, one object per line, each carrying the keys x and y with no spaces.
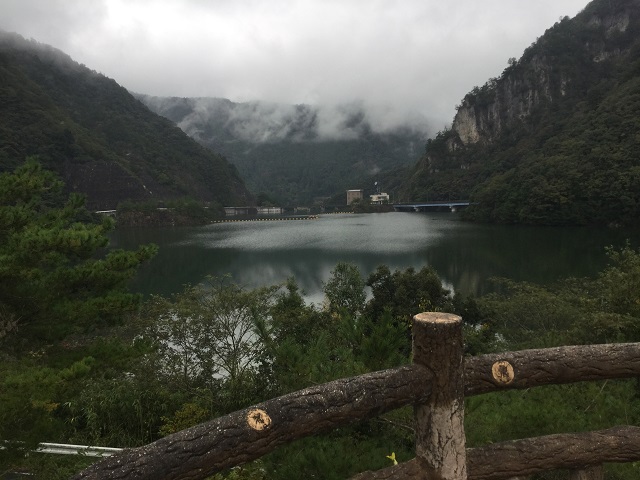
{"x":464,"y":255}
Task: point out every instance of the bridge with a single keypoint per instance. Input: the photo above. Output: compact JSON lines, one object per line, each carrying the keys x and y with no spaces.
{"x":452,"y":205}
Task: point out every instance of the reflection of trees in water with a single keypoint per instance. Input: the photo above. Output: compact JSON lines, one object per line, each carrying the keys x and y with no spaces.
{"x":535,"y":254}
{"x":310,"y":267}
{"x":464,"y":255}
{"x":176,"y":266}
{"x":178,"y":261}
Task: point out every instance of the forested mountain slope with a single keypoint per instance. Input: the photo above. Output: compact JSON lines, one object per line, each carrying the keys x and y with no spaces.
{"x":296,"y":153}
{"x":98,"y":137}
{"x":556,"y":138}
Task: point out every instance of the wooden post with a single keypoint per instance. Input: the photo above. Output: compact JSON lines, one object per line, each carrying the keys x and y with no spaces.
{"x":440,"y":438}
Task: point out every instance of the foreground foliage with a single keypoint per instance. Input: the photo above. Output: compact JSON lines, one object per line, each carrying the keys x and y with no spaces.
{"x":74,"y":371}
{"x":52,"y":282}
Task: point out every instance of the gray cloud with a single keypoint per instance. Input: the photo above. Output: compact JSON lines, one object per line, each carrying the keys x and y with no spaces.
{"x":259,"y":122}
{"x":410,"y":59}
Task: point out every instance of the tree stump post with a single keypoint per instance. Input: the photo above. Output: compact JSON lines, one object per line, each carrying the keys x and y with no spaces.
{"x":440,"y":437}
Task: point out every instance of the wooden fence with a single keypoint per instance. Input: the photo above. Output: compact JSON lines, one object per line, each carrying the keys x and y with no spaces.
{"x":436,"y":384}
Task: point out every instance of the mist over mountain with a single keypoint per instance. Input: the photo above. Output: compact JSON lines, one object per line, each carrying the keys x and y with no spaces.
{"x":296,"y":153}
{"x":97,"y":136}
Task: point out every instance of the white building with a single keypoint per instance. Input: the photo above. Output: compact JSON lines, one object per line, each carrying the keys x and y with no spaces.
{"x":379,"y":198}
{"x":269,"y":210}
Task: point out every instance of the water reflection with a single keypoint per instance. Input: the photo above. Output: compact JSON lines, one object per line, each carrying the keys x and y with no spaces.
{"x":465,"y":255}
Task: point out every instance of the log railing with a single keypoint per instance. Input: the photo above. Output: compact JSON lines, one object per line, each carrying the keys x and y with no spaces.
{"x":436,"y":384}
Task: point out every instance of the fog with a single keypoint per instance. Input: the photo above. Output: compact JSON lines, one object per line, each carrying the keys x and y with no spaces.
{"x":400,"y":61}
{"x":259,"y":122}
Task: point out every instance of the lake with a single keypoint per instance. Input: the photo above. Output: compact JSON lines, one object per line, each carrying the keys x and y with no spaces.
{"x":465,"y":255}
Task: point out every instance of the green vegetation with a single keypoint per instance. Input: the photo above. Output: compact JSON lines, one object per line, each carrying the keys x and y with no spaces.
{"x":97,"y":136}
{"x":62,"y":297}
{"x":283,"y":154}
{"x":574,"y":311}
{"x":90,"y":364}
{"x":84,"y":361}
{"x":51,"y":281}
{"x":557,"y":130}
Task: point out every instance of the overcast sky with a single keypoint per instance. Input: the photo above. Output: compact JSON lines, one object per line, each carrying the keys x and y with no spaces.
{"x":400,"y":56}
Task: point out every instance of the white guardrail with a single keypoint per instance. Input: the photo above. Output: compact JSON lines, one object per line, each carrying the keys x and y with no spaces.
{"x":66,"y":449}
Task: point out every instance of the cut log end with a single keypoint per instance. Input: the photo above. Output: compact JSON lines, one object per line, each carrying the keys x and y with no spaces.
{"x":502,"y":372}
{"x":437,"y":317}
{"x":258,"y":419}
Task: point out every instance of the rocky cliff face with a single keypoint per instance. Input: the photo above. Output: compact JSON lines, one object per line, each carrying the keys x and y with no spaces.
{"x":553,"y":139}
{"x":539,"y":77}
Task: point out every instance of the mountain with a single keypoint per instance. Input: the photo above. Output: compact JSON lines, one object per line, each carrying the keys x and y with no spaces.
{"x":296,"y":153}
{"x":100,"y":139}
{"x":554,"y":139}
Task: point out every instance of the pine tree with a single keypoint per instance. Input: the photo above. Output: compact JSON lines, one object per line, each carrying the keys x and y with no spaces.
{"x":52,"y":281}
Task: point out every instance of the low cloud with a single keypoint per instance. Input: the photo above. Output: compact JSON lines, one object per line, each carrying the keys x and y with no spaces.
{"x":401,"y":60}
{"x":259,"y":122}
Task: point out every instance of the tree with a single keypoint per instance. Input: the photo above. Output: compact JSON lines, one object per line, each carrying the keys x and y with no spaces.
{"x":210,"y":339}
{"x":406,"y":292}
{"x":345,"y":289}
{"x":575,"y":310}
{"x":52,"y":282}
{"x":619,"y":283}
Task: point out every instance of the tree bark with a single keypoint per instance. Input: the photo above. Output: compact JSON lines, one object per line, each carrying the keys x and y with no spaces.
{"x":440,"y":438}
{"x":532,"y":368}
{"x":502,"y":461}
{"x":239,"y":437}
{"x":552,"y":452}
{"x":230,"y":440}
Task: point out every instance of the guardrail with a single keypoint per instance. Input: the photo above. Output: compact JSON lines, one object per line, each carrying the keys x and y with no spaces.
{"x":436,"y":384}
{"x":68,"y":449}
